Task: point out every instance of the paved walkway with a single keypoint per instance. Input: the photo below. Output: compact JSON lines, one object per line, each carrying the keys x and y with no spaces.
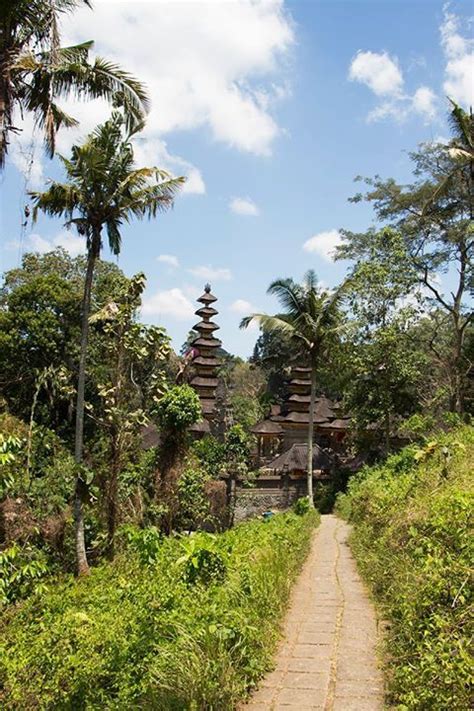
{"x":327,"y":659}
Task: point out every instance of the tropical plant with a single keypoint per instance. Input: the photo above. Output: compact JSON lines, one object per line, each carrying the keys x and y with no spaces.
{"x":434,"y":215}
{"x":310,"y":319}
{"x":104,"y":190}
{"x":128,"y":344}
{"x":35,"y":71}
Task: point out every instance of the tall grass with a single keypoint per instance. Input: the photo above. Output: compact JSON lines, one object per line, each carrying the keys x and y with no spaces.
{"x":151,"y":635}
{"x":413,"y":541}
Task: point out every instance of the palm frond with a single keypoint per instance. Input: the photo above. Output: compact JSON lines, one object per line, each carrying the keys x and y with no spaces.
{"x":289,"y":294}
{"x":462,"y":126}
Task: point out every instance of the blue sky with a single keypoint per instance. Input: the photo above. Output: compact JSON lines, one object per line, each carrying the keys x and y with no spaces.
{"x":271,"y":109}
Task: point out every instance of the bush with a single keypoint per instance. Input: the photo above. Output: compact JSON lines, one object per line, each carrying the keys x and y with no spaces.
{"x":179,"y":408}
{"x":413,"y":542}
{"x":301,"y":506}
{"x":145,"y":632}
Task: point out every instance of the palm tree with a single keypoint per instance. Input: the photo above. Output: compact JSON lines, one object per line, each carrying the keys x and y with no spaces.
{"x":310,"y":317}
{"x":35,"y":71}
{"x":462,"y":144}
{"x":104,"y":190}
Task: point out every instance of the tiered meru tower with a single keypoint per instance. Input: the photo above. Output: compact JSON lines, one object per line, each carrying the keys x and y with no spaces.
{"x":205,"y":361}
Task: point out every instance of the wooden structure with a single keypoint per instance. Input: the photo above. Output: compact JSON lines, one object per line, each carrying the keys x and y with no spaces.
{"x":287,"y":426}
{"x":205,"y":362}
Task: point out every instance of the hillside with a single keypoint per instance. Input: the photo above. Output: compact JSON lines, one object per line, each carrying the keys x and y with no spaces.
{"x":412,"y":538}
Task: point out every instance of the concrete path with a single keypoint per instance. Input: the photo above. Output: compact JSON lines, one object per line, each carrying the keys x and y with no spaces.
{"x":327,"y":659}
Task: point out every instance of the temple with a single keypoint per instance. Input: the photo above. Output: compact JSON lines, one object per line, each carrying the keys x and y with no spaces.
{"x":280,"y":457}
{"x":205,"y":363}
{"x":288,"y":425}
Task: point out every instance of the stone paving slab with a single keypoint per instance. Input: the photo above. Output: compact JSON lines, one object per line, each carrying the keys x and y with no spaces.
{"x":327,"y":659}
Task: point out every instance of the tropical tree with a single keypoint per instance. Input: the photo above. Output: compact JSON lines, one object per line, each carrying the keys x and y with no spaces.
{"x":104,"y":190}
{"x":35,"y":71}
{"x":129,"y":343}
{"x":309,"y":320}
{"x":434,"y":215}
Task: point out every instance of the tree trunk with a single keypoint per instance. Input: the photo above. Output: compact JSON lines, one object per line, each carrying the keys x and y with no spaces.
{"x":116,"y":449}
{"x":310,"y":436}
{"x":81,"y":555}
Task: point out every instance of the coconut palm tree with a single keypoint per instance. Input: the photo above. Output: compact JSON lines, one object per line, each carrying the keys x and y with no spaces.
{"x":104,"y":190}
{"x":35,"y":71}
{"x":462,"y":142}
{"x":310,"y":316}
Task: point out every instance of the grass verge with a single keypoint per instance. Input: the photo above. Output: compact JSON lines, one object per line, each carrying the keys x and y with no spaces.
{"x":178,"y":623}
{"x":413,"y":542}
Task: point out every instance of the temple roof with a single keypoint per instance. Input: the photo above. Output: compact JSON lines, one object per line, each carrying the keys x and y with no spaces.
{"x":296,"y":459}
{"x":207,"y":297}
{"x":206,"y":311}
{"x":338,"y":424}
{"x":200,"y":382}
{"x":207,"y":342}
{"x":202,"y":426}
{"x":266,"y":427}
{"x":206,"y":326}
{"x":324,"y":408}
{"x":298,"y":381}
{"x":303,"y":418}
{"x":208,"y":406}
{"x":300,"y":398}
{"x":209,"y":361}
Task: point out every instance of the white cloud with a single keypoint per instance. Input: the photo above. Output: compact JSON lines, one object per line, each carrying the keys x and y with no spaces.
{"x":73,"y":244}
{"x":243,"y":206}
{"x":383,"y":76}
{"x":39,"y":244}
{"x":169,"y":259}
{"x":218,"y":66}
{"x":26,"y":150}
{"x":243,"y":307}
{"x":378,"y":71}
{"x":168,"y":303}
{"x":424,"y":102}
{"x":324,"y":244}
{"x":211,"y":273}
{"x":459,"y":53}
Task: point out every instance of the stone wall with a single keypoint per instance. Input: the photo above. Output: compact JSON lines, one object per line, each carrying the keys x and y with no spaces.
{"x":254,"y":502}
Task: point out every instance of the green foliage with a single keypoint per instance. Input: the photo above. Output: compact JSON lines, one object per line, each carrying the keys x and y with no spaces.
{"x":210,"y":453}
{"x":140,"y":635}
{"x":22,"y":570}
{"x":143,"y":541}
{"x":202,"y":561}
{"x":10,"y":445}
{"x":413,"y":541}
{"x":179,"y":408}
{"x":301,"y":506}
{"x":193,"y":503}
{"x":40,"y":308}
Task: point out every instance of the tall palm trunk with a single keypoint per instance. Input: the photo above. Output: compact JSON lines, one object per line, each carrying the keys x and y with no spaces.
{"x":81,"y":555}
{"x":311,"y":435}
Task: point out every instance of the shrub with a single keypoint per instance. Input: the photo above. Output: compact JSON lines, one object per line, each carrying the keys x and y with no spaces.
{"x":413,"y":542}
{"x":301,"y":506}
{"x":178,"y":408}
{"x":141,"y":634}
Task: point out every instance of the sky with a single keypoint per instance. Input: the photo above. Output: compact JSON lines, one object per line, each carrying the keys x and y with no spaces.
{"x":270,"y":109}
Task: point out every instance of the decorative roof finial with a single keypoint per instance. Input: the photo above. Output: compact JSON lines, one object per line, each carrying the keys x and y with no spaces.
{"x":207,"y":288}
